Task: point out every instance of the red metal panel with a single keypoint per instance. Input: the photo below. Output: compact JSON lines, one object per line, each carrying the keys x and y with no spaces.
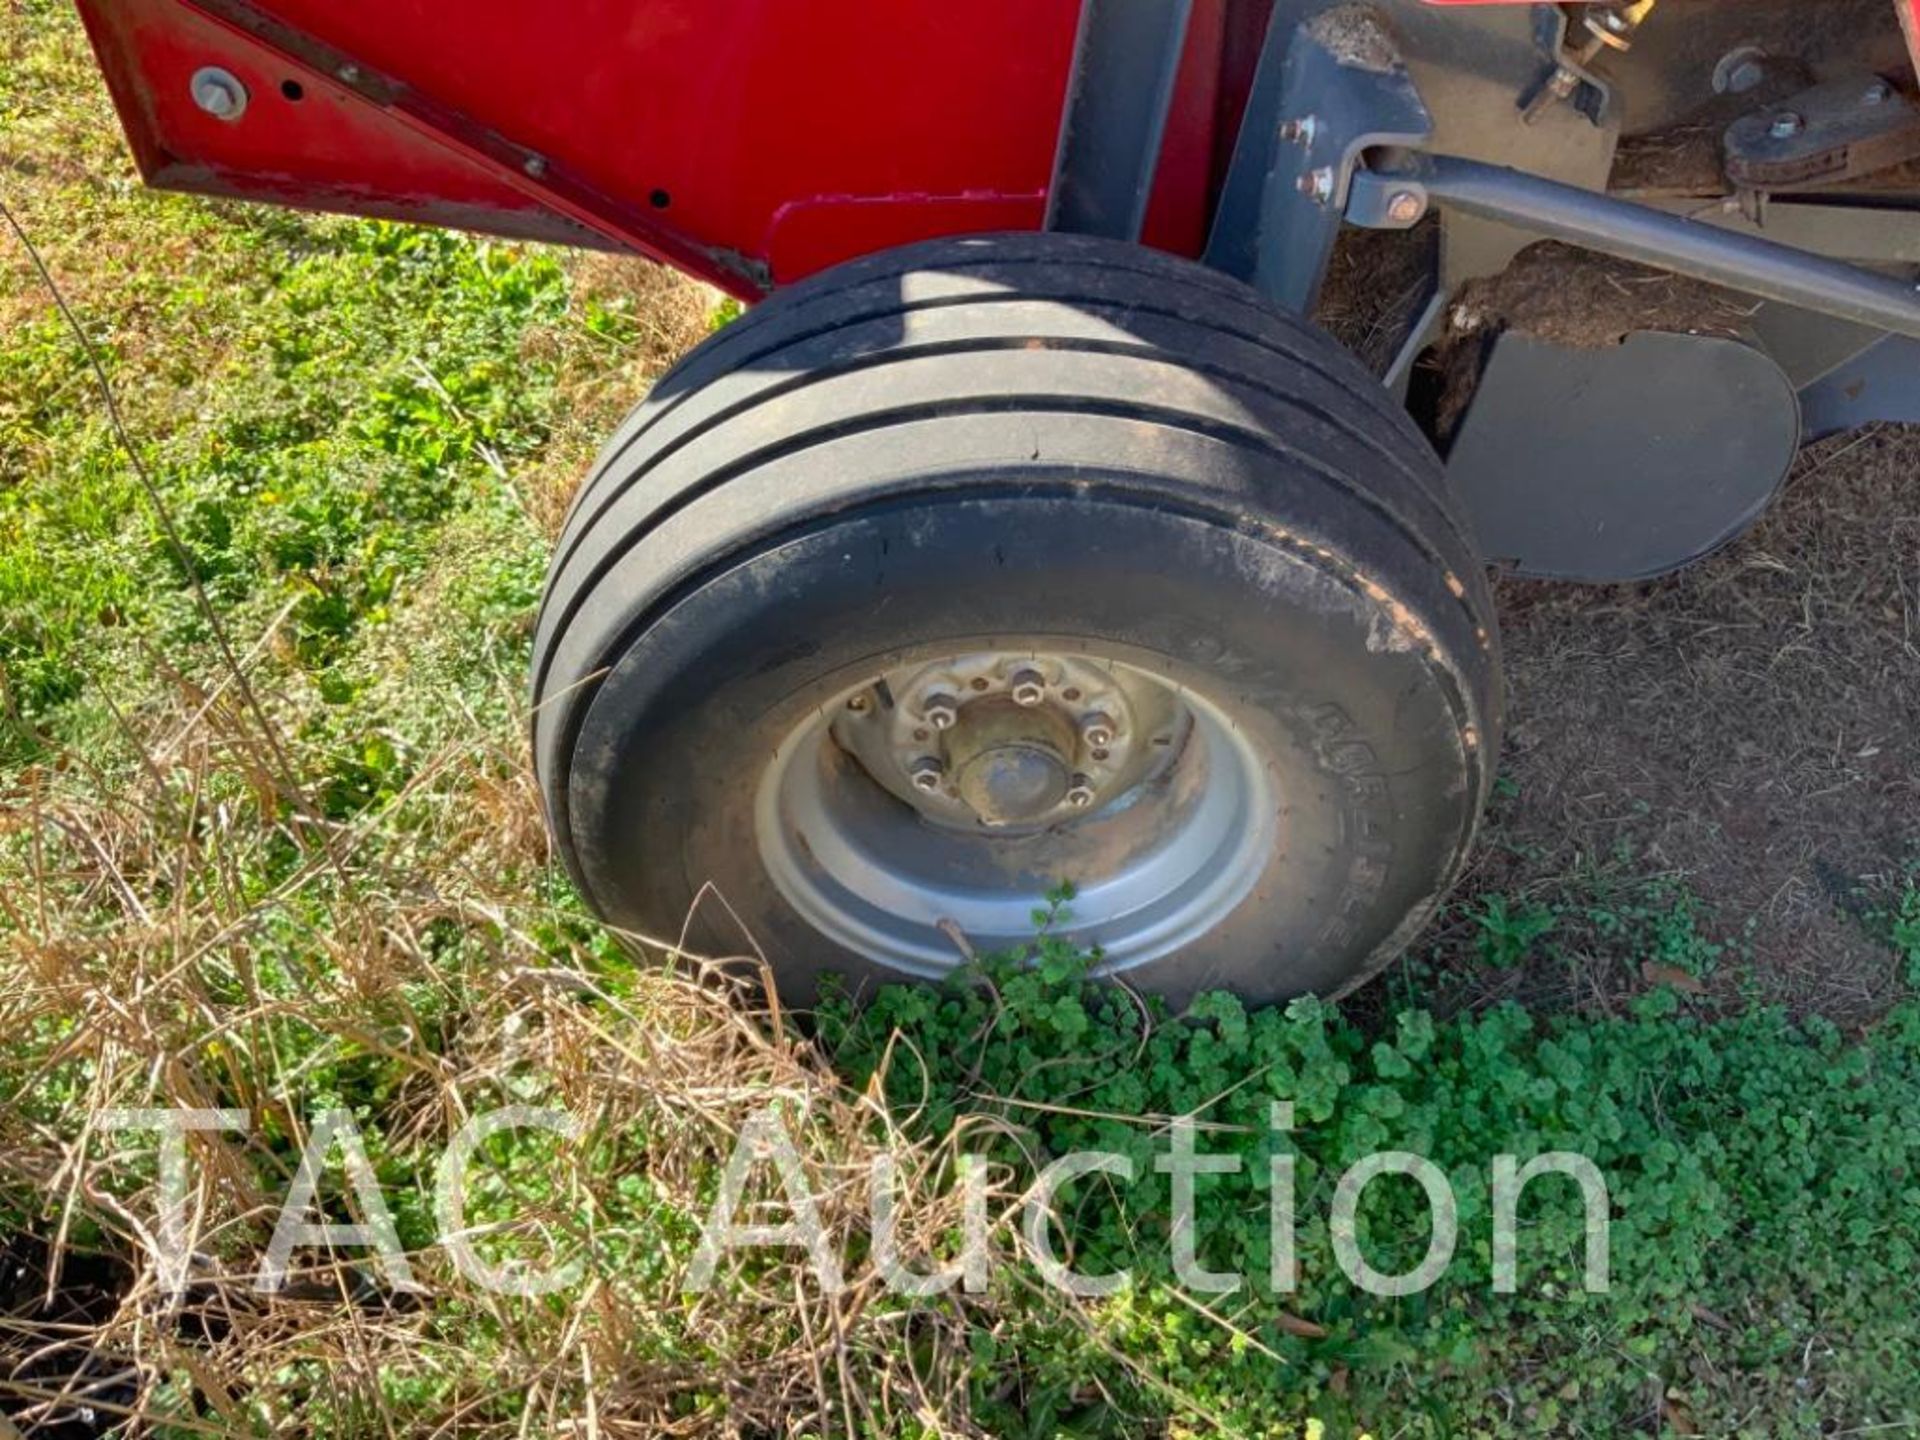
{"x":751,"y":141}
{"x":149,"y":50}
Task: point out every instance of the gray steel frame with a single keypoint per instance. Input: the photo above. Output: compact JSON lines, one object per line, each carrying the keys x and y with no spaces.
{"x":1315,"y":117}
{"x":1126,"y":59}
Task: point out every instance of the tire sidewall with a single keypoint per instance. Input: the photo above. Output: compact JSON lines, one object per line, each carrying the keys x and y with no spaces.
{"x":1370,"y":743}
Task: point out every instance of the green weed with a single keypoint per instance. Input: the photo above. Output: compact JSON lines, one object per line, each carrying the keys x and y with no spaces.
{"x":1761,"y":1175}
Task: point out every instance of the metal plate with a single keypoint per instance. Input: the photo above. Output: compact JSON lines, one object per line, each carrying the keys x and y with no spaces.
{"x":1841,"y":130}
{"x":1621,"y":463}
{"x":1881,"y":382}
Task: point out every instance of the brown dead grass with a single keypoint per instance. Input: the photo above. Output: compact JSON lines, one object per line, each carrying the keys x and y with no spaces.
{"x":137,"y":949}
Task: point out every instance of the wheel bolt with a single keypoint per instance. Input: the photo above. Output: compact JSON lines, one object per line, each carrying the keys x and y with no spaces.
{"x":927,"y":773}
{"x":1081,"y":795}
{"x":941,"y":711}
{"x":1097,"y":731}
{"x":1029,"y":687}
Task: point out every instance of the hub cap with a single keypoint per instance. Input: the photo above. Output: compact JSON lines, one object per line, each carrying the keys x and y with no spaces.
{"x":957,"y":793}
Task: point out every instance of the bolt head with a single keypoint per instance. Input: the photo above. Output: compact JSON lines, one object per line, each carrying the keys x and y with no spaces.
{"x":219,"y":93}
{"x":1317,"y":185}
{"x":1080,"y":795}
{"x":1406,"y":207}
{"x":1786,"y":125}
{"x":941,"y":711}
{"x":1097,"y":731}
{"x":536,"y":166}
{"x":927,"y":773}
{"x":1878,"y":93}
{"x":1029,"y":688}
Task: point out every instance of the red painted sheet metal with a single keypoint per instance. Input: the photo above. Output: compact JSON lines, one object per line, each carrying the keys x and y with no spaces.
{"x":149,"y":50}
{"x":751,"y":141}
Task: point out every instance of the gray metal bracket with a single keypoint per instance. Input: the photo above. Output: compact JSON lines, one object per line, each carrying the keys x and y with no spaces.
{"x":1325,"y":92}
{"x":1566,"y":77}
{"x":1844,"y":129}
{"x":1126,"y":60}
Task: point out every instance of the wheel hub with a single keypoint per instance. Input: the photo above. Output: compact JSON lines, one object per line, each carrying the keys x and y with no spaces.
{"x":1011,"y":742}
{"x":1012,"y":763}
{"x":955,"y":793}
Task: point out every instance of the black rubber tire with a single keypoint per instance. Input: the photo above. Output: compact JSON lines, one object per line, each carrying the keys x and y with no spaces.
{"x":1032,"y":439}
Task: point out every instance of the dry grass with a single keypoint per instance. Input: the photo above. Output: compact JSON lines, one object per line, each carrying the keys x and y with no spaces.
{"x":147,"y":970}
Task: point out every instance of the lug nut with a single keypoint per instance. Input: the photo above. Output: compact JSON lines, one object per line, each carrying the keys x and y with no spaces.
{"x":1097,"y":731}
{"x":1080,"y":796}
{"x":1029,"y":687}
{"x":941,"y":711}
{"x":927,"y":773}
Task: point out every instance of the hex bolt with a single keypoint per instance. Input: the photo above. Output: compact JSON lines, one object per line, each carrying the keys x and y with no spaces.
{"x":1029,"y":687}
{"x":941,"y":711}
{"x":1317,"y":185}
{"x":927,"y":773}
{"x":1299,"y":132}
{"x":1875,"y":94}
{"x":1081,"y":795}
{"x":535,"y":165}
{"x":219,"y":93}
{"x":1786,"y":125}
{"x":1406,"y":207}
{"x":1097,"y":731}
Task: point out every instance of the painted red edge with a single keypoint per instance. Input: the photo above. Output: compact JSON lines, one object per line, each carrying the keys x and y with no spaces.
{"x":750,"y":142}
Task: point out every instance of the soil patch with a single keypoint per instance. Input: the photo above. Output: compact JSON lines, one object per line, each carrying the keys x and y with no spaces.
{"x":1750,"y":727}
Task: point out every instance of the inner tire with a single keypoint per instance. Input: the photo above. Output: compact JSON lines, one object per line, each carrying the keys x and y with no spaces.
{"x":1112,"y":472}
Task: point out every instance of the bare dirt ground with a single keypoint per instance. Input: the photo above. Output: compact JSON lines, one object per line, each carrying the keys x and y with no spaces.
{"x":1750,"y":728}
